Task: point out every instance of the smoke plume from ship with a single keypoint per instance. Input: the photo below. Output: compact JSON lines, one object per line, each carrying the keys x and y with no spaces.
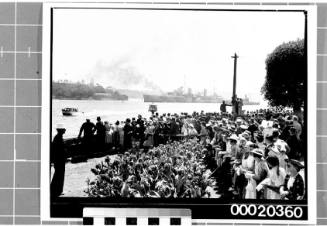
{"x":121,"y":74}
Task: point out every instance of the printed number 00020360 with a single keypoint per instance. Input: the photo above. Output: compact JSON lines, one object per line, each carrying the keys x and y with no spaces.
{"x":267,"y":211}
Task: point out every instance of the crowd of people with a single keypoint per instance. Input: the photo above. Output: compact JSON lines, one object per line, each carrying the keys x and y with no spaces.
{"x":259,"y":155}
{"x":167,"y":171}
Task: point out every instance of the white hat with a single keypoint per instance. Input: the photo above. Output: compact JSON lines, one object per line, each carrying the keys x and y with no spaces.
{"x":257,"y":151}
{"x":245,"y":135}
{"x":241,"y":138}
{"x":233,"y":137}
{"x":249,"y":143}
{"x":244,"y":127}
{"x":60,"y":126}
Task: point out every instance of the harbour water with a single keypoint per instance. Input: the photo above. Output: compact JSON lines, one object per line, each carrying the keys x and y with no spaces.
{"x":112,"y":111}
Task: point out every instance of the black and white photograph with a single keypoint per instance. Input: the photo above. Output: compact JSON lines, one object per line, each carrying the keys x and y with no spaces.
{"x":179,"y":105}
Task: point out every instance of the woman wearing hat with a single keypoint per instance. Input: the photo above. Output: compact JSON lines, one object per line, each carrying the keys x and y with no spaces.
{"x":246,"y":166}
{"x":109,"y":131}
{"x":275,"y":179}
{"x":185,"y":129}
{"x":192,"y":131}
{"x":260,"y":169}
{"x":203,"y":133}
{"x":293,"y":188}
{"x":234,"y":149}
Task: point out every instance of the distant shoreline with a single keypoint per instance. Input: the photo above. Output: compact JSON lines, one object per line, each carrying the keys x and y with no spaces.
{"x":56,"y":98}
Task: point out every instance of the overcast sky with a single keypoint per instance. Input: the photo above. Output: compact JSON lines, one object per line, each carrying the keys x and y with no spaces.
{"x":144,"y":49}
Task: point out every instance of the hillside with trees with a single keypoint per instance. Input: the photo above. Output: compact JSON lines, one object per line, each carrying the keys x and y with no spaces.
{"x":81,"y":91}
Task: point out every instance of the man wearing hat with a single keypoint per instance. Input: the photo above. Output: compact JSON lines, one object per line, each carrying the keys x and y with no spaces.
{"x":253,"y":126}
{"x":293,"y":188}
{"x":100,"y":133}
{"x":128,"y":132}
{"x":296,"y":149}
{"x":284,"y":128}
{"x":174,"y":129}
{"x":58,"y":158}
{"x":259,"y":140}
{"x":239,"y":129}
{"x":223,"y":107}
{"x":88,"y":128}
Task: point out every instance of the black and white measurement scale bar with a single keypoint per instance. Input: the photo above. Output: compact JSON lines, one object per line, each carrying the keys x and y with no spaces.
{"x":136,"y":216}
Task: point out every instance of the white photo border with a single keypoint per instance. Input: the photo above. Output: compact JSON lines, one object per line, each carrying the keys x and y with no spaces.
{"x":311,"y":105}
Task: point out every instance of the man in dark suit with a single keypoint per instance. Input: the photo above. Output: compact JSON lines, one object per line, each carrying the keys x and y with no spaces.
{"x":139,"y":131}
{"x":174,"y":129}
{"x":223,"y":107}
{"x":128,"y":133}
{"x":88,"y":128}
{"x":100,"y":134}
{"x":58,"y":158}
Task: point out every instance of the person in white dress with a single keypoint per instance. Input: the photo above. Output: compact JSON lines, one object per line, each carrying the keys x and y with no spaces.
{"x":275,"y":179}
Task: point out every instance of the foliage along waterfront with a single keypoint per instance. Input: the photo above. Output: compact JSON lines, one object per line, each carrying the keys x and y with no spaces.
{"x":81,"y":91}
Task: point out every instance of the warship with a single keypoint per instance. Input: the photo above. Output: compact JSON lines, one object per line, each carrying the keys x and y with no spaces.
{"x":178,"y":96}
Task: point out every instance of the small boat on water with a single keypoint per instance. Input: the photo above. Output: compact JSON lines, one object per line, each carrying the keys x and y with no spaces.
{"x":69,"y":111}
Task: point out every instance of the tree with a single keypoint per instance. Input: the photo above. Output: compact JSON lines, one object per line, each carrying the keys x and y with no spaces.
{"x":286,"y":76}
